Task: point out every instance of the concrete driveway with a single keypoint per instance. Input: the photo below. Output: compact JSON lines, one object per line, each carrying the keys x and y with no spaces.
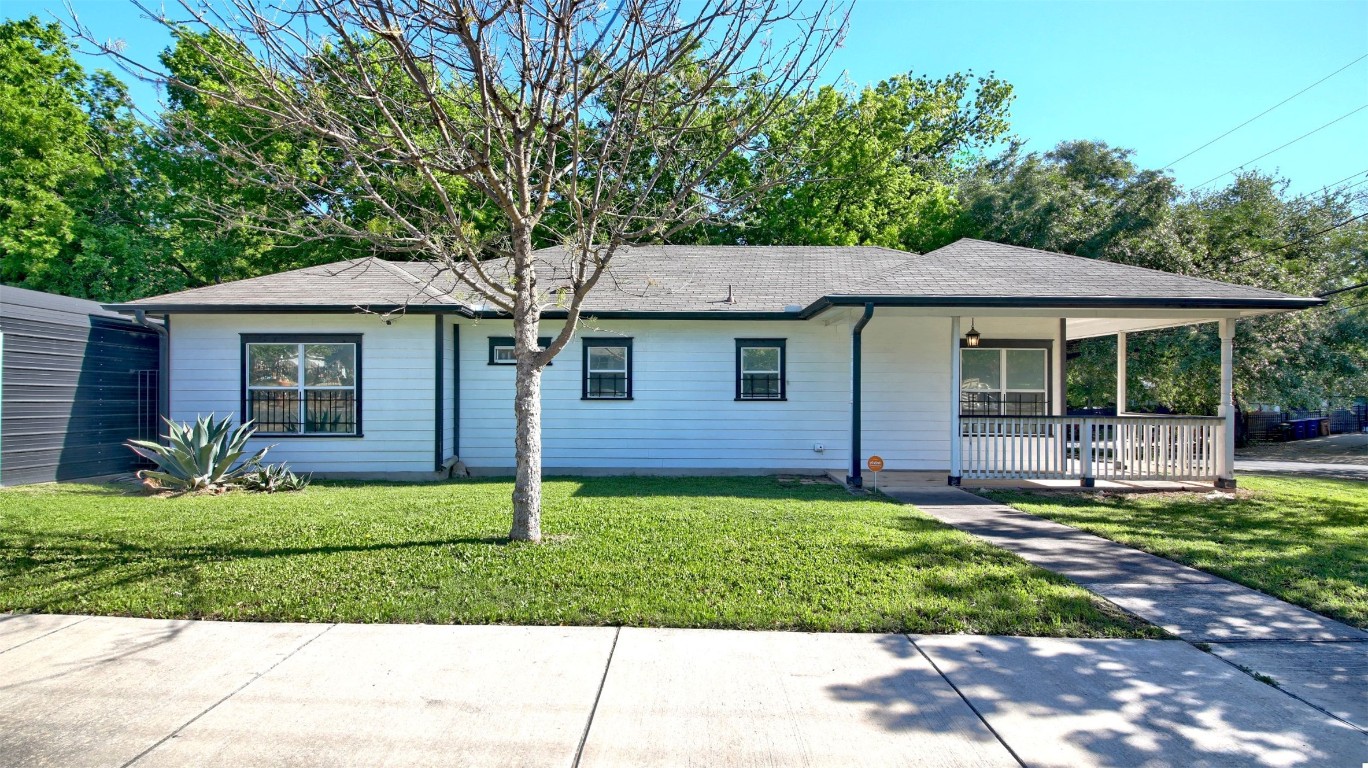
{"x":78,"y":691}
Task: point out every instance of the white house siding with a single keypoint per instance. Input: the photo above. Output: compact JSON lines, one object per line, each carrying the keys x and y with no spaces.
{"x":906,"y":391}
{"x":683,"y":416}
{"x":396,"y":388}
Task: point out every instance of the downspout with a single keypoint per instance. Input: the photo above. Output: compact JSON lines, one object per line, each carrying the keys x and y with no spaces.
{"x":163,"y":363}
{"x":854,"y":480}
{"x":438,"y":391}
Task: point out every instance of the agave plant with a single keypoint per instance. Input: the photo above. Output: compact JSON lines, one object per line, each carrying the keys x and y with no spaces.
{"x":273,"y":478}
{"x":195,"y":458}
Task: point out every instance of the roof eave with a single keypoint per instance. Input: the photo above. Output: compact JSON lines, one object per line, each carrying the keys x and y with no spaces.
{"x":1288,"y":303}
{"x":1063,"y":302}
{"x":622,"y":314}
{"x":291,"y":309}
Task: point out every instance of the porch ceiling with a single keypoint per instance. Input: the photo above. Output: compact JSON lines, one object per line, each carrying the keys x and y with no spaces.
{"x":1087,"y":327}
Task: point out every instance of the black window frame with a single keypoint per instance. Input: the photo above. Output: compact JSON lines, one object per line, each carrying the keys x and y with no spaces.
{"x":782,"y":346}
{"x":246,"y":339}
{"x":1047,"y":345}
{"x":605,"y":341}
{"x":508,"y":341}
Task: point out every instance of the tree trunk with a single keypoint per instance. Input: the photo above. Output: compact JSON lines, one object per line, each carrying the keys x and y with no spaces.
{"x":527,"y":439}
{"x":526,"y":397}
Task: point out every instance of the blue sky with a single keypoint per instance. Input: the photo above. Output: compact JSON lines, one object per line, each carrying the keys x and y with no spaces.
{"x":1160,"y":77}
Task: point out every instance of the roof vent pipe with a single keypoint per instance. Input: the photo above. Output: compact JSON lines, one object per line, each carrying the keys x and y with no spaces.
{"x":731,"y":297}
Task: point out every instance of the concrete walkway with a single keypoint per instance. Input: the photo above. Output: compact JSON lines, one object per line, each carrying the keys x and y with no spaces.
{"x":78,"y":691}
{"x":1318,"y":660}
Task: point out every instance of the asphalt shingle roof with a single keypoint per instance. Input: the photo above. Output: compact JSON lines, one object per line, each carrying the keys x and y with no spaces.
{"x":698,"y":279}
{"x":367,"y":282}
{"x":970,"y":267}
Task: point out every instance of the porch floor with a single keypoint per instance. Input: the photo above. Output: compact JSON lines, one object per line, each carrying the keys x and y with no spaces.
{"x":900,"y":481}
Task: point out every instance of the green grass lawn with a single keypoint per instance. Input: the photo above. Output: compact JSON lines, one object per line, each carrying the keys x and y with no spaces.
{"x":1301,"y":539}
{"x":691,"y":552}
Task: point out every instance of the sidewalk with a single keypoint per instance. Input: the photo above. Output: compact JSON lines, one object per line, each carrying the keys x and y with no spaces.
{"x":118,"y":692}
{"x":1318,"y":660}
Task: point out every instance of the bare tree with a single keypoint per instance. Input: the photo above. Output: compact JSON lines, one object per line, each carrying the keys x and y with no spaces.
{"x":588,"y":123}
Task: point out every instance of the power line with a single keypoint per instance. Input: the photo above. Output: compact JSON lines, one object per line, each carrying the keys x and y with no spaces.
{"x":1266,"y":111}
{"x":1284,"y":146}
{"x":1318,"y":233}
{"x":1301,"y":239}
{"x":1336,"y":184}
{"x":1341,"y":290}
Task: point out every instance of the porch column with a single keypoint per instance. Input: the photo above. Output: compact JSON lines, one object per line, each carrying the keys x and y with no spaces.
{"x":1225,"y":444}
{"x":1061,"y":371}
{"x":1120,"y":373}
{"x":955,"y":441}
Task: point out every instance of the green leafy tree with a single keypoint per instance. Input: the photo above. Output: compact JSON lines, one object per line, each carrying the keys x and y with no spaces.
{"x":1082,"y":197}
{"x":1089,"y":199}
{"x":1251,"y":232}
{"x":875,"y":166}
{"x":74,"y":213}
{"x":43,"y":149}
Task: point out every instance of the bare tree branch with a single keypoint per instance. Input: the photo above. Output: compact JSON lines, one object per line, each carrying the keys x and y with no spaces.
{"x":589,"y":124}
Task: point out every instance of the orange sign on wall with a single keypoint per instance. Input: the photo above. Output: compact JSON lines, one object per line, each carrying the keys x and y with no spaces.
{"x":875,"y":464}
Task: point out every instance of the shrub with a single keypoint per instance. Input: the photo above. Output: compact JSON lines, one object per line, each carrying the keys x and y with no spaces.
{"x":273,"y":478}
{"x":206,"y":456}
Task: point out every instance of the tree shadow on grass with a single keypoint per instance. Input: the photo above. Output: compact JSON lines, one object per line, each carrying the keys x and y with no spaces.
{"x":1289,"y":544}
{"x":1019,"y":597}
{"x":63,"y":568}
{"x":795,"y":488}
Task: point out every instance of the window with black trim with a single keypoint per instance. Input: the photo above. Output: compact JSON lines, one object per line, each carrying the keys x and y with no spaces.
{"x":501,"y":349}
{"x":760,"y":369}
{"x":1004,"y":381}
{"x":302,"y":384}
{"x":607,"y":369}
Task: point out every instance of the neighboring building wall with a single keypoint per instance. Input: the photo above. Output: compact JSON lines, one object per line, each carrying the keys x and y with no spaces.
{"x":396,"y":388}
{"x":70,"y":392}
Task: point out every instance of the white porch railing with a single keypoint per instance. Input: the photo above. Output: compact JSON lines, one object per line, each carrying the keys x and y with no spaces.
{"x":1098,"y":448}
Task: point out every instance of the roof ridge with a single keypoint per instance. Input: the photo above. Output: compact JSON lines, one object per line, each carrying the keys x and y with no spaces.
{"x":1123,"y":264}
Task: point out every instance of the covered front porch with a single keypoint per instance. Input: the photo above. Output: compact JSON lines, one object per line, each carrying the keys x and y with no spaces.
{"x":1010,"y":424}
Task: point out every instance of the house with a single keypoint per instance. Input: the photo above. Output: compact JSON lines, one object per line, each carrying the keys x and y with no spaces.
{"x":707,"y":360}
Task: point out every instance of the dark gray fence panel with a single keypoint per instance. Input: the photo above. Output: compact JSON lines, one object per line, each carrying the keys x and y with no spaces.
{"x":73,"y":388}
